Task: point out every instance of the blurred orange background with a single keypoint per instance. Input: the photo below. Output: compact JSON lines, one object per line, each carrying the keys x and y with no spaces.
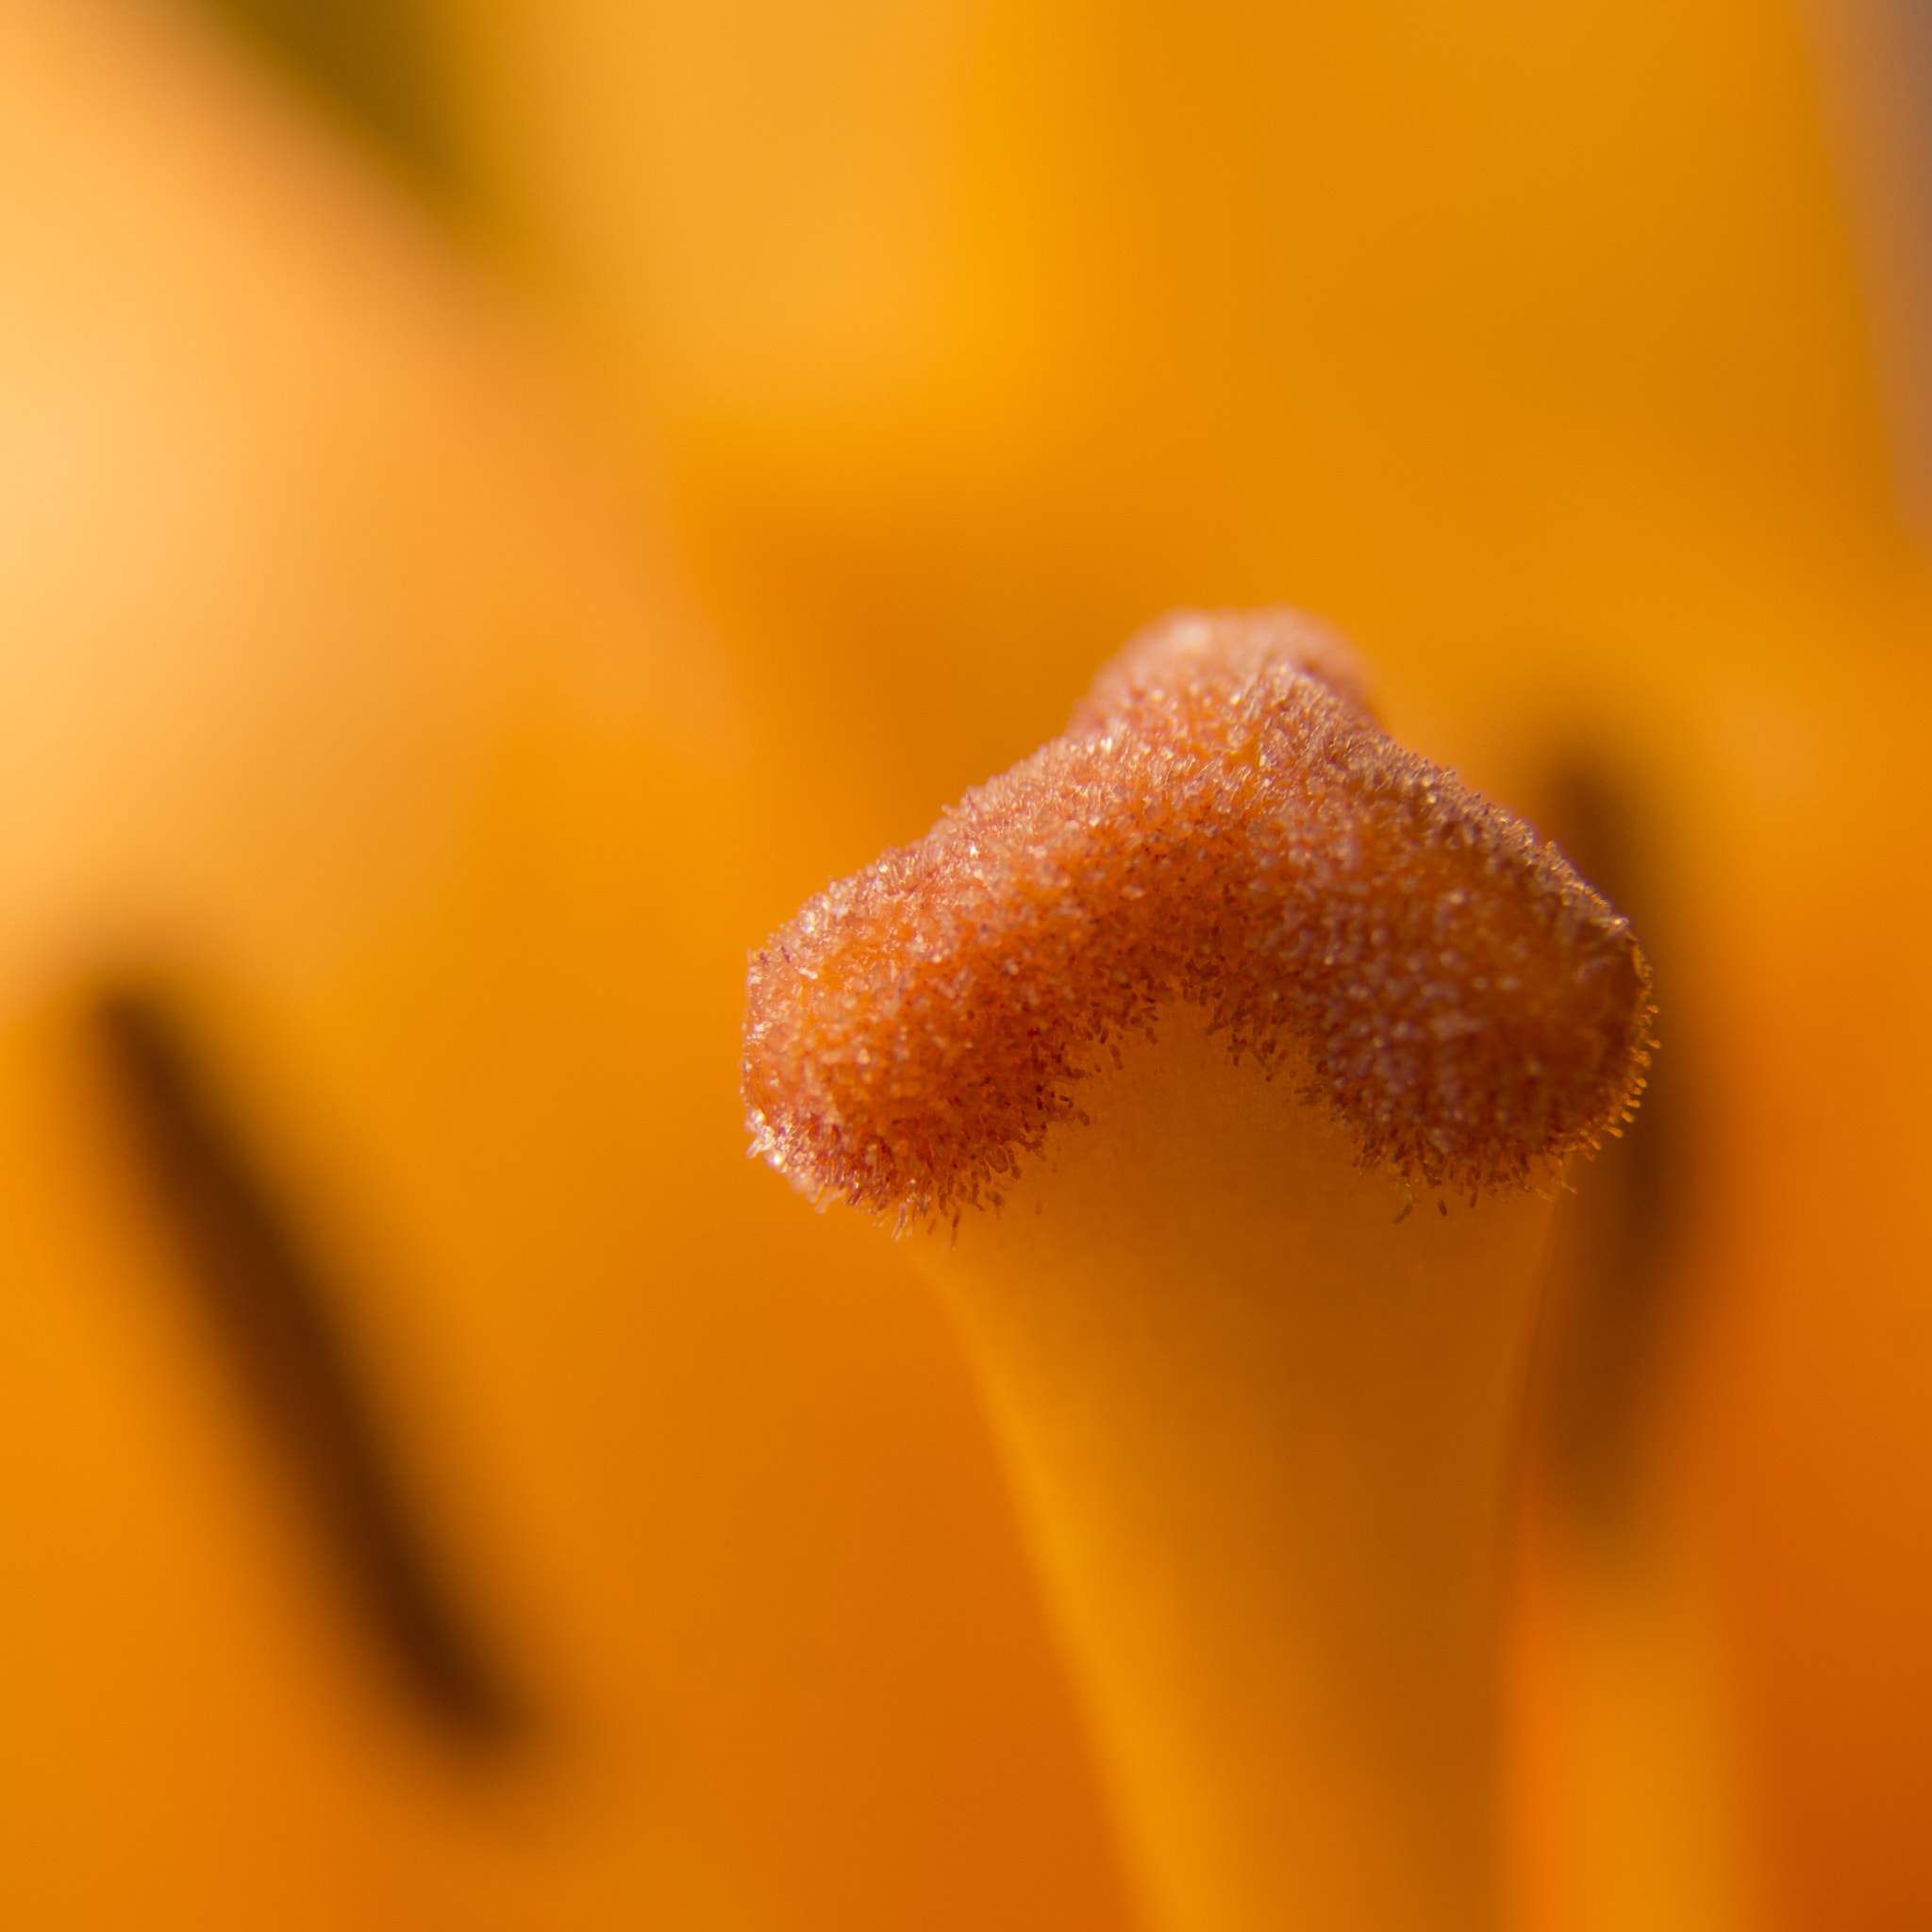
{"x":498,"y":502}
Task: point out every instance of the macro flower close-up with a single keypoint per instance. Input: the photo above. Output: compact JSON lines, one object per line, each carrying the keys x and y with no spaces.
{"x":1242,"y":688}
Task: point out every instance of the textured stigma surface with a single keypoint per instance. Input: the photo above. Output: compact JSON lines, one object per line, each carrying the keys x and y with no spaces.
{"x":1223,"y":824}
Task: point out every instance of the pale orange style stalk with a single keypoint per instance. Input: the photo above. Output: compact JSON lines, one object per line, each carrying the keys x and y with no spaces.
{"x":1226,"y":1059}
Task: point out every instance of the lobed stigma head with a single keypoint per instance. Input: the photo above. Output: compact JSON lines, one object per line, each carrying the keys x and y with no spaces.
{"x":1223,"y":826}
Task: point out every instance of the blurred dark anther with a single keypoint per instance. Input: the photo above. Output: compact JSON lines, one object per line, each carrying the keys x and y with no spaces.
{"x":271,"y":1306}
{"x":1610,"y":1318}
{"x":371,"y":61}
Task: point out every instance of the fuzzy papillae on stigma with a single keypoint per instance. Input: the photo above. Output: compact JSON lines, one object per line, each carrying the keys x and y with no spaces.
{"x":1224,"y":826}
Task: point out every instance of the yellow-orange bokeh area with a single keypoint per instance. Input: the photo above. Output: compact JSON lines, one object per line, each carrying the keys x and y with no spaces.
{"x":1527,"y":343}
{"x":348,"y":702}
{"x":980,"y":332}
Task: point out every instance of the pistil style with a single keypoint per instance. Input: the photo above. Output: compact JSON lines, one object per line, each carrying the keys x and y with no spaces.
{"x":1225,"y":1059}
